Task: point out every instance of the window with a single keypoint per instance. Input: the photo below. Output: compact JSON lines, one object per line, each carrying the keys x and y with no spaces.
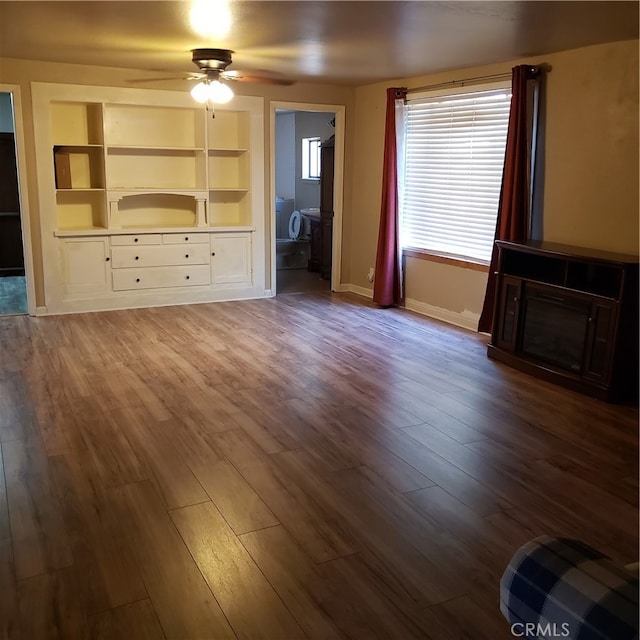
{"x":452,"y":165}
{"x":311,"y":158}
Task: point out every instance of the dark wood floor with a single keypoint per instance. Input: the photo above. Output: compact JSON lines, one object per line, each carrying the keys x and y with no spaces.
{"x":304,"y":466}
{"x":300,"y":281}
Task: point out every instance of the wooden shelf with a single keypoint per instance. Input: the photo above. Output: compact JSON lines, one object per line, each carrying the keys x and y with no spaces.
{"x":79,"y":166}
{"x":125,"y":191}
{"x":160,"y":127}
{"x":80,"y":208}
{"x":229,"y":130}
{"x":169,"y":150}
{"x":229,"y":207}
{"x":63,"y":146}
{"x":136,"y":168}
{"x":63,"y":232}
{"x":128,"y":230}
{"x":76,"y":123}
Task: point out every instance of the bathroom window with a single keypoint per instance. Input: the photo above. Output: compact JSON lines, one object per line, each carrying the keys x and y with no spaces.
{"x":311,"y":158}
{"x":454,"y":144}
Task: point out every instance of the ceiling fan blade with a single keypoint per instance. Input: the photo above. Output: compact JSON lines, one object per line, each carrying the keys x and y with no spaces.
{"x":268,"y":78}
{"x":190,"y":76}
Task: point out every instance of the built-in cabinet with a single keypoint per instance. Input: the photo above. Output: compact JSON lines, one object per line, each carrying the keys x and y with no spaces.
{"x":146,"y":199}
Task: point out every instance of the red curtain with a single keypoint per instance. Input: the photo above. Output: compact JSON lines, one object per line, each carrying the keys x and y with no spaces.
{"x":387,"y":284}
{"x":513,"y":208}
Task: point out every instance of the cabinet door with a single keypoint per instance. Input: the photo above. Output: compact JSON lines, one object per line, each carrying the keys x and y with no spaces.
{"x":315,"y":257}
{"x":506,"y":332}
{"x":600,"y":339}
{"x":231,"y":259}
{"x":85,"y":266}
{"x":327,"y":245}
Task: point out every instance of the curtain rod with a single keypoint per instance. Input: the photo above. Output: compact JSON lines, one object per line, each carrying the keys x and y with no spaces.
{"x":461,"y":83}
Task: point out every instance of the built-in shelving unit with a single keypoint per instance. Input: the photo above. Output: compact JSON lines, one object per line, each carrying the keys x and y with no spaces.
{"x":228,"y":163}
{"x":78,"y":154}
{"x":115,"y":164}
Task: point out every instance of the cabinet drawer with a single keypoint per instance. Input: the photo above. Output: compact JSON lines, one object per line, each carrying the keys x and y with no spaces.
{"x":160,"y":277}
{"x":185,"y":238}
{"x":159,"y":255}
{"x":145,"y":238}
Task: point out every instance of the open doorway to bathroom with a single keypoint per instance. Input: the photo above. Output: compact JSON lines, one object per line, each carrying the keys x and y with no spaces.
{"x":304,"y":179}
{"x":13,"y":284}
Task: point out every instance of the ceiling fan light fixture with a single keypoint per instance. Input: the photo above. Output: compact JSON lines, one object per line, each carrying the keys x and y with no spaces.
{"x":219,"y":93}
{"x":214,"y":91}
{"x":200,"y":92}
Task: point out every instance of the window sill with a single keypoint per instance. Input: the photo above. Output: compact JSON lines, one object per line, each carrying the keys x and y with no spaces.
{"x":463,"y":263}
{"x":316,"y":180}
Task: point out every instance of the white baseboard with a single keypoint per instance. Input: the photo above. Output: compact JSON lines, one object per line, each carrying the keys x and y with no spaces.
{"x":466,"y":319}
{"x":361,"y":291}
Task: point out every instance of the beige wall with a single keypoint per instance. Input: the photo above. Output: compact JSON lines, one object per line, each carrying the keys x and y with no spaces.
{"x":591,"y":195}
{"x":23,"y":72}
{"x":591,"y":190}
{"x":591,"y":187}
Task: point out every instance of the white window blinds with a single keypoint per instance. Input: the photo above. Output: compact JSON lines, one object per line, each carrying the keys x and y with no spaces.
{"x":454,"y":156}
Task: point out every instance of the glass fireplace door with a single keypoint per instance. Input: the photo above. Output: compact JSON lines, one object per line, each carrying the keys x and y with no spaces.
{"x":555,"y":328}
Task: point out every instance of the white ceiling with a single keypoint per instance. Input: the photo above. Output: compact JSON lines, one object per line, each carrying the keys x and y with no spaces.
{"x":333,"y":41}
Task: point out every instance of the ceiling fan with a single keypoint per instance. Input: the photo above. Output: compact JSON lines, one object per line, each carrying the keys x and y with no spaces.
{"x":213,"y":65}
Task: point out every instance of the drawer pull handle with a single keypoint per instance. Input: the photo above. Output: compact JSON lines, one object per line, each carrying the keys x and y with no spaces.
{"x":213,"y":253}
{"x":137,"y":257}
{"x":186,"y":255}
{"x":186,"y":238}
{"x":137,"y":279}
{"x":135,"y":239}
{"x":187,"y":277}
{"x":107,"y":258}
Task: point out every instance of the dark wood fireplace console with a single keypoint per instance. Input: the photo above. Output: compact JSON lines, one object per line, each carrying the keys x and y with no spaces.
{"x":568,"y":315}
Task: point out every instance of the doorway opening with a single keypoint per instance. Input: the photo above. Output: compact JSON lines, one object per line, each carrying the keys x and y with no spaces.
{"x":307,"y":198}
{"x":13,"y":282}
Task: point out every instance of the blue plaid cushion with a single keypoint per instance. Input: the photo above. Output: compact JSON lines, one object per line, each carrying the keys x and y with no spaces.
{"x":562,"y":588}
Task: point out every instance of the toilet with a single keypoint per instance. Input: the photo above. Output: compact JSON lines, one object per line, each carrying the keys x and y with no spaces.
{"x":295,"y":224}
{"x":284,"y":209}
{"x":293,"y":253}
